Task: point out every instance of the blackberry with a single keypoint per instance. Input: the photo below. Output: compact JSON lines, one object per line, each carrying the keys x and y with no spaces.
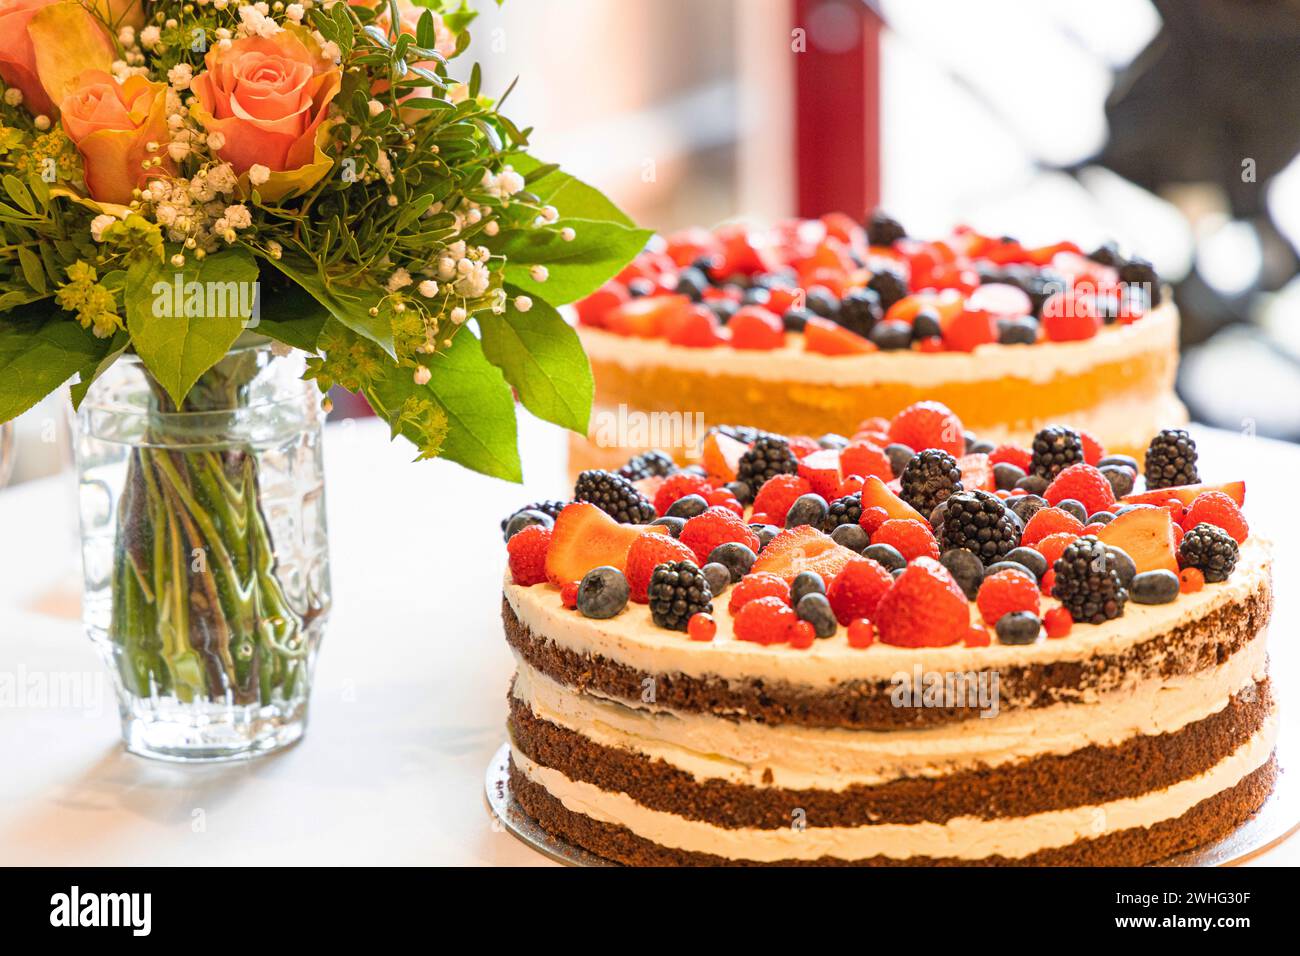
{"x":677,"y":591}
{"x":821,"y":301}
{"x":883,"y":230}
{"x":651,"y":463}
{"x":766,"y":458}
{"x":1055,"y":449}
{"x":741,"y":433}
{"x":846,"y":510}
{"x":929,"y":478}
{"x":978,"y":522}
{"x":614,"y":495}
{"x":1087,"y":582}
{"x":1171,"y":460}
{"x":549,"y":507}
{"x":888,"y":286}
{"x":1140,"y":273}
{"x":1108,"y":255}
{"x":1209,"y":548}
{"x":860,"y":311}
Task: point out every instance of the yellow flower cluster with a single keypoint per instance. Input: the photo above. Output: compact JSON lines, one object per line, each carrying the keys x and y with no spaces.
{"x":93,"y":303}
{"x":51,"y":156}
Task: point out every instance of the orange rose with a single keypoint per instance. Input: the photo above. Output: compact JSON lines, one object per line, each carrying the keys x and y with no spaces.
{"x":112,"y":125}
{"x":266,"y":99}
{"x":409,"y":14}
{"x":44,"y":44}
{"x":18,"y":54}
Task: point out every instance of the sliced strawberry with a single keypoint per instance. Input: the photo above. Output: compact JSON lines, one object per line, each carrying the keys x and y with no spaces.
{"x":584,"y":537}
{"x":875,"y":494}
{"x":1147,"y":535}
{"x":976,"y":472}
{"x":830,"y":338}
{"x":822,"y":471}
{"x":696,"y":328}
{"x":1000,"y":299}
{"x":647,"y":317}
{"x":803,"y":549}
{"x":756,"y":329}
{"x":720,"y":456}
{"x":593,"y":310}
{"x":1236,"y":490}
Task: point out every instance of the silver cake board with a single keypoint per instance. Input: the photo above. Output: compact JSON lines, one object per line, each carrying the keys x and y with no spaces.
{"x":1274,"y":822}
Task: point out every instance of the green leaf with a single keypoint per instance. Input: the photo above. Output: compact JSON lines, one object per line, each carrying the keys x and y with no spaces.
{"x":598,"y":251}
{"x":96,"y":367}
{"x":541,"y":356}
{"x":181,"y":329}
{"x":349,"y":306}
{"x":571,"y":196}
{"x":292,"y":316}
{"x":35,"y":359}
{"x":33,"y":271}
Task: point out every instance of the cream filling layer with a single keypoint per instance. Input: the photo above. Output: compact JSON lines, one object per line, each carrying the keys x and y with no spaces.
{"x":1158,"y":331}
{"x":963,"y":838}
{"x":788,"y":756}
{"x":632,"y":638}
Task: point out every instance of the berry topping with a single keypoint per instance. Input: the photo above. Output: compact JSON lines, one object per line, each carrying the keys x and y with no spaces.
{"x":876,"y":494}
{"x":1216,"y":508}
{"x":924,"y":608}
{"x":551,"y":509}
{"x":1022,"y":458}
{"x":1154,"y":587}
{"x":756,"y":585}
{"x":884,"y":231}
{"x":716,"y":526}
{"x":766,"y":620}
{"x":1071,"y":317}
{"x":865,"y":458}
{"x":647,"y":552}
{"x":803,"y":549}
{"x":1057,"y":622}
{"x":1210,"y":550}
{"x":1093,"y":452}
{"x":1171,"y":460}
{"x":978,"y":522}
{"x":677,"y":591}
{"x":679,"y":486}
{"x":822,"y":470}
{"x":527,"y":551}
{"x":816,"y":610}
{"x":1083,"y":483}
{"x":1007,"y":591}
{"x":1055,"y":449}
{"x":523,"y":519}
{"x":912,"y":539}
{"x":1147,"y":536}
{"x":862,"y":633}
{"x":1054,"y":545}
{"x":755,"y":328}
{"x":966,"y":569}
{"x":584,"y":537}
{"x":856,"y":591}
{"x":602,"y":593}
{"x":735,"y":557}
{"x":768,"y":457}
{"x":843,"y":511}
{"x":569,"y":595}
{"x":615,"y":496}
{"x":1018,"y":627}
{"x":650,"y":464}
{"x":1190,"y":580}
{"x":1049,"y":521}
{"x":778,"y":493}
{"x":809,"y":509}
{"x":720,"y":454}
{"x":928,"y":425}
{"x":929,"y":478}
{"x":802,"y":634}
{"x":1087,"y":583}
{"x":701,"y":626}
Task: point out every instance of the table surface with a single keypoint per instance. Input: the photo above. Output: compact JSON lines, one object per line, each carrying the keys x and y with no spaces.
{"x":409,"y":702}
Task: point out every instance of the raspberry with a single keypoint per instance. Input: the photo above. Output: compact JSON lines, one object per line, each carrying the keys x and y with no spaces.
{"x":760,"y":584}
{"x":976,"y":636}
{"x":527,"y":551}
{"x":1022,"y":458}
{"x":862,"y":633}
{"x":924,"y":608}
{"x":877,"y":424}
{"x":679,"y":486}
{"x":872,"y":518}
{"x":753,"y":327}
{"x":911,"y":537}
{"x":725,"y":499}
{"x":778,"y":494}
{"x":569,"y":595}
{"x":1004,"y":592}
{"x":865,"y":458}
{"x":802,"y":635}
{"x":1085,"y":484}
{"x":1191,"y":580}
{"x":856,"y":591}
{"x":1052,"y":546}
{"x":766,"y":620}
{"x":851,"y":485}
{"x":716,"y":526}
{"x":1049,"y":521}
{"x":1216,"y":508}
{"x":701,"y":627}
{"x":1058,"y":622}
{"x":1093,"y":451}
{"x":803,"y":446}
{"x":650,"y":549}
{"x":1048,"y":582}
{"x":928,"y":425}
{"x":1069,"y":318}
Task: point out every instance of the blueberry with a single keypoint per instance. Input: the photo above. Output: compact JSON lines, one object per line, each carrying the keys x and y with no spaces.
{"x":822,"y":301}
{"x":688,"y":507}
{"x":816,"y":610}
{"x":1018,"y":331}
{"x":756,"y":295}
{"x":832,"y":440}
{"x":1008,"y":565}
{"x":982,"y":447}
{"x":1100,"y":517}
{"x":523,"y":519}
{"x":1034,"y":484}
{"x":602,"y":593}
{"x":673,"y":524}
{"x":765,"y":532}
{"x":735,"y":557}
{"x":1005,"y":475}
{"x":806,"y":582}
{"x":718,"y":577}
{"x":1018,"y":627}
{"x":968,"y":440}
{"x":1026,"y":506}
{"x":639,"y":288}
{"x":891,"y":335}
{"x":691,"y":282}
{"x":966,"y":567}
{"x":807,"y":509}
{"x":1154,"y":587}
{"x":899,"y":456}
{"x":1073,"y":507}
{"x":859,"y":310}
{"x":1121,"y":478}
{"x":925,"y":325}
{"x":851,"y":536}
{"x":1035,"y":562}
{"x":1124,"y":461}
{"x":795,"y":319}
{"x":896,"y":572}
{"x":1124,"y":565}
{"x":740,"y":489}
{"x":695,"y":470}
{"x":724,"y":309}
{"x":885,"y":555}
{"x":936,"y":516}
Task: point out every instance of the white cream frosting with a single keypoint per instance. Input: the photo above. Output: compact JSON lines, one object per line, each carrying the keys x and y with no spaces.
{"x":791,"y":757}
{"x":966,"y":838}
{"x":632,"y":639}
{"x":1157,"y":331}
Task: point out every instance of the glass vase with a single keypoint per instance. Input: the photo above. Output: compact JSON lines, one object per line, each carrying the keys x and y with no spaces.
{"x":204,"y":552}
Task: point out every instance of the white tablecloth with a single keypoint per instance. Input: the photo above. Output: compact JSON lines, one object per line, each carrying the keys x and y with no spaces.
{"x":409,"y":704}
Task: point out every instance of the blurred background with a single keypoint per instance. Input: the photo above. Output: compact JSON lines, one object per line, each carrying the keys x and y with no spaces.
{"x":1170,"y":127}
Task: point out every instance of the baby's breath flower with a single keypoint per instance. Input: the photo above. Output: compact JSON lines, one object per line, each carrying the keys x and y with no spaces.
{"x":400,"y":279}
{"x":539,"y":273}
{"x":523,"y":303}
{"x":257,"y":173}
{"x":567,"y":234}
{"x":422,"y":375}
{"x":428,"y":288}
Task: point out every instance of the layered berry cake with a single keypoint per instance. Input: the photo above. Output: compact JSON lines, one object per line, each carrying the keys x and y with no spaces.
{"x":907,"y":646}
{"x":817,"y":324}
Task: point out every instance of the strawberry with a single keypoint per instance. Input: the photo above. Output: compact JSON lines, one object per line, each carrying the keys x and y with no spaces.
{"x":856,"y":591}
{"x":725,"y":499}
{"x":872,"y":518}
{"x":1085,"y":484}
{"x":527,"y":550}
{"x":679,"y":486}
{"x":851,"y":485}
{"x":765,"y":620}
{"x":803,"y":549}
{"x":778,"y":494}
{"x":862,"y":633}
{"x":928,"y":425}
{"x":865,"y":458}
{"x":1022,"y":458}
{"x":584,"y":537}
{"x":716,"y":526}
{"x":647,"y":551}
{"x":647,"y":317}
{"x":1057,"y":622}
{"x":924,"y":608}
{"x":1004,"y":592}
{"x":755,"y":585}
{"x":720,"y":456}
{"x":1216,"y":508}
{"x":976,"y":472}
{"x":1093,"y":450}
{"x":801,"y":446}
{"x":1049,"y":521}
{"x":696,"y":327}
{"x":593,"y":309}
{"x":756,"y":328}
{"x":968,"y":330}
{"x":1071,"y":317}
{"x":876,"y":494}
{"x":1236,"y":490}
{"x":822,"y":470}
{"x":912,"y":538}
{"x":830,"y":338}
{"x":976,"y":636}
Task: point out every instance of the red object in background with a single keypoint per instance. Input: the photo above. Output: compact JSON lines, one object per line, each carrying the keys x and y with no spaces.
{"x":837,"y":108}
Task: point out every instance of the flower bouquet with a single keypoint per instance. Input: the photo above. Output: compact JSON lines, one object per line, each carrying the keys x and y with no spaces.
{"x":211,"y":212}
